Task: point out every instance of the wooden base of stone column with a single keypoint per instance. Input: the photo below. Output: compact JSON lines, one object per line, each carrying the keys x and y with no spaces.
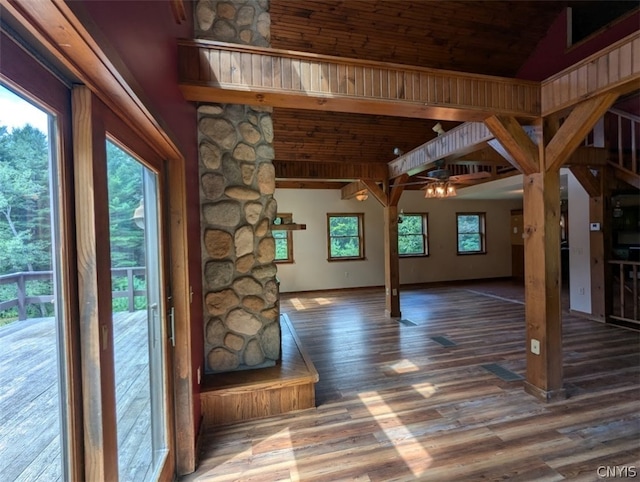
{"x":250,"y":394}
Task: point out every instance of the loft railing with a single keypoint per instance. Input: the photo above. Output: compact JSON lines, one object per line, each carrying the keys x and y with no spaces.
{"x":625,"y":296}
{"x":624,"y":139}
{"x":22,"y":300}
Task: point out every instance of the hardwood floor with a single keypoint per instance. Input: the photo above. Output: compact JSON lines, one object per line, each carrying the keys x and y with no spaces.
{"x":394,"y":404}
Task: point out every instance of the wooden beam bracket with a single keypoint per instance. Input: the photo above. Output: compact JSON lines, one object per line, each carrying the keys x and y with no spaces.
{"x":514,"y":141}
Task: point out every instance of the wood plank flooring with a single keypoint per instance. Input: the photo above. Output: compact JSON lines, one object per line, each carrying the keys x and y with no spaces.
{"x":395,"y":405}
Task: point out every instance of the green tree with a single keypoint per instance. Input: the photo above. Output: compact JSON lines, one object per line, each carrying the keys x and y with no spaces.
{"x":410,"y":235}
{"x":25,"y":214}
{"x":125,"y":194}
{"x":345,"y":237}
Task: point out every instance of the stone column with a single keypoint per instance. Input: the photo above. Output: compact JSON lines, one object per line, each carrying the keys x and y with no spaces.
{"x":241,"y":322}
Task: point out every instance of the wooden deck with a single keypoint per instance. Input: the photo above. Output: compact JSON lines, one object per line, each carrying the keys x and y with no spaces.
{"x":393,"y":404}
{"x":29,"y":421}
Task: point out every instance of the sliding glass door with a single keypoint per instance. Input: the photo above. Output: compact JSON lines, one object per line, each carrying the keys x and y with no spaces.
{"x":33,"y":322}
{"x":139,"y":327}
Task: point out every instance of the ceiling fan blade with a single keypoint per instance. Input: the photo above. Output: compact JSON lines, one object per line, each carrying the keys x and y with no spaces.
{"x":428,"y":178}
{"x":474,"y":176}
{"x":422,"y":183}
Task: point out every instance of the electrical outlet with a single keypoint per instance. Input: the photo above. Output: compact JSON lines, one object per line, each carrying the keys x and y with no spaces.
{"x":535,"y":346}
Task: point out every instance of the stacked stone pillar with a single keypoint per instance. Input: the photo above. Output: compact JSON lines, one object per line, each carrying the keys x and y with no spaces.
{"x":237,"y":178}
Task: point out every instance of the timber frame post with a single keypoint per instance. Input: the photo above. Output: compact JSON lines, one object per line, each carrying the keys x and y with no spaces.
{"x":391,"y":259}
{"x":541,"y":165}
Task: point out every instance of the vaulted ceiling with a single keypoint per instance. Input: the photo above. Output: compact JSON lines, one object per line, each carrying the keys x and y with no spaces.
{"x":483,"y":37}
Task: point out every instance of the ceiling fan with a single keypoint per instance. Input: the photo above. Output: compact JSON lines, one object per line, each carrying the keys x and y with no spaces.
{"x":440,"y":183}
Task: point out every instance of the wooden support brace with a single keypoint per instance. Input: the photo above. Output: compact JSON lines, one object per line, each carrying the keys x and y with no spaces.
{"x":575,"y":128}
{"x":376,"y":191}
{"x":587,"y":180}
{"x":523,"y":153}
{"x":397,"y":189}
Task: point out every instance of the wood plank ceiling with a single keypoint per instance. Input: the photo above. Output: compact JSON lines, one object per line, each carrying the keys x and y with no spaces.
{"x":484,"y":37}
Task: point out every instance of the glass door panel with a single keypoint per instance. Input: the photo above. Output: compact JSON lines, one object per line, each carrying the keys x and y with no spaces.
{"x":33,"y":438}
{"x":138,"y":326}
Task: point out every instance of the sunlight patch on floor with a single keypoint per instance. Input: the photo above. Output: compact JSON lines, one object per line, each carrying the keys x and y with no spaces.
{"x":281,"y":443}
{"x":404,"y":366}
{"x":297,"y":304}
{"x":425,"y":389}
{"x":412,"y":452}
{"x":323,"y":301}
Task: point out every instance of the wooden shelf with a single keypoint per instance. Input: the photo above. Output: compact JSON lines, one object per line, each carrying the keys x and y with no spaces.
{"x":289,"y":227}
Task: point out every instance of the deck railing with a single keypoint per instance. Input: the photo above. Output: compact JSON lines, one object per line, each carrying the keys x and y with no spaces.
{"x":22,"y":299}
{"x":625,"y":296}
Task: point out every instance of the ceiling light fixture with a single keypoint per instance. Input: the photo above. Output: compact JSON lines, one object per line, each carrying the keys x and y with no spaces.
{"x":362,"y":196}
{"x":440,"y":189}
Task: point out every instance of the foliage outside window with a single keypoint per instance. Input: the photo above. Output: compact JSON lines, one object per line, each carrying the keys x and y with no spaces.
{"x":471,"y":233}
{"x":346,"y":239}
{"x":412,"y":235}
{"x":283,"y":240}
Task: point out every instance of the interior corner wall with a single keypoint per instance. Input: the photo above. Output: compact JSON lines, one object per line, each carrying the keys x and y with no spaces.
{"x":579,"y":247}
{"x":311,"y":270}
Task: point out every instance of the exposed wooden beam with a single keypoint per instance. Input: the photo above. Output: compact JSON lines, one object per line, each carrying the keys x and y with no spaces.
{"x":575,"y":128}
{"x":179,"y":11}
{"x":308,"y":184}
{"x":94,"y":296}
{"x":614,"y":69}
{"x":219,"y":72}
{"x":56,"y":27}
{"x":483,"y":157}
{"x":625,"y":175}
{"x":543,"y":316}
{"x":377,"y":192}
{"x":587,"y":180}
{"x":516,"y":142}
{"x":588,"y":156}
{"x":396,"y":189}
{"x":464,"y":139}
{"x":352,"y":189}
{"x":391,"y":262}
{"x":341,"y":171}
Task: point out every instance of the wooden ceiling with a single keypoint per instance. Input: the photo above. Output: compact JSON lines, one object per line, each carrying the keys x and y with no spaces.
{"x":485,"y":37}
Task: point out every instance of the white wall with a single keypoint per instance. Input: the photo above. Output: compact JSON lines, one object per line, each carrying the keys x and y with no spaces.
{"x":579,"y":247}
{"x":312,"y":271}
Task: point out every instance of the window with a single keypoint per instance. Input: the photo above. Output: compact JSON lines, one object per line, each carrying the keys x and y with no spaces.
{"x":471,"y":233}
{"x":283,"y":239}
{"x":346,"y":238}
{"x":412,"y":235}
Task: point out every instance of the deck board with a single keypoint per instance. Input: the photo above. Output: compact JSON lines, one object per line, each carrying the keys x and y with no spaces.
{"x":392,"y":404}
{"x":29,"y":424}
